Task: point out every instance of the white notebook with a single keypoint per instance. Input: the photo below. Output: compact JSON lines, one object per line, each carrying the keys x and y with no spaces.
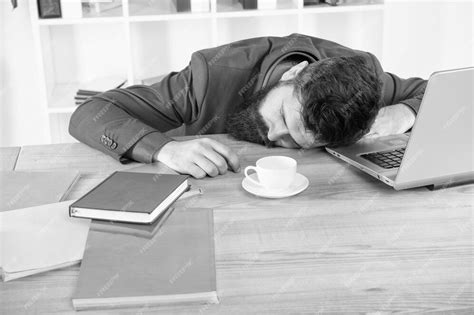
{"x":41,"y":238}
{"x":21,"y":189}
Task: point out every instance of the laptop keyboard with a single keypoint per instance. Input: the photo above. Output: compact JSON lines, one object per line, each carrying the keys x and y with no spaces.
{"x":387,"y":159}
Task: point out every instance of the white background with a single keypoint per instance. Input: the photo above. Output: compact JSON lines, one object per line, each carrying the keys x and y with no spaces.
{"x":419,"y":37}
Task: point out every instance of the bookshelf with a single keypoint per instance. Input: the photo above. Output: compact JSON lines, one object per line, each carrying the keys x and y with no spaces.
{"x":138,"y":39}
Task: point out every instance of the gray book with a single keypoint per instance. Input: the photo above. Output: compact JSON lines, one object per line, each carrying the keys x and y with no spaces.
{"x":176,"y":265}
{"x":22,"y":189}
{"x":130,"y":197}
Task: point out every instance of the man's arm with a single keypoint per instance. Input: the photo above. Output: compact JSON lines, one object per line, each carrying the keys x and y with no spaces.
{"x":396,"y":90}
{"x":401,"y":102}
{"x":407,"y":91}
{"x":129,"y":123}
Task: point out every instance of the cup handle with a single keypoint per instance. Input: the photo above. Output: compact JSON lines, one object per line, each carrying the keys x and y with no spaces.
{"x":248,"y":168}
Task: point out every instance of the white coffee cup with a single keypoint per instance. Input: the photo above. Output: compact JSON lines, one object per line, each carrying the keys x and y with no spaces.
{"x":273,"y":172}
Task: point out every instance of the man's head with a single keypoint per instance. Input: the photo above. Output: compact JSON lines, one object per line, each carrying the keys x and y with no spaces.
{"x":331,"y":102}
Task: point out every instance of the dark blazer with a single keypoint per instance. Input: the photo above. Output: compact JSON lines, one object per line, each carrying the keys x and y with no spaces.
{"x":129,"y":123}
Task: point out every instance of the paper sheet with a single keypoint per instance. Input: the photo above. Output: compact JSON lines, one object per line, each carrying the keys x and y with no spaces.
{"x":41,"y":237}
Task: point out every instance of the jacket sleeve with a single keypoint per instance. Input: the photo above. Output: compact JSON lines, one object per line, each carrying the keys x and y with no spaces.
{"x":408,"y":91}
{"x":129,"y":124}
{"x":396,"y":90}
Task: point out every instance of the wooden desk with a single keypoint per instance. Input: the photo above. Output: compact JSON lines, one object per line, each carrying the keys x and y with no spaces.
{"x":348,"y":243}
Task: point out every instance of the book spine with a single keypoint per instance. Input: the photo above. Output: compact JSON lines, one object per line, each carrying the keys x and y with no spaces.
{"x":89,"y":93}
{"x":249,"y":4}
{"x":49,"y":9}
{"x":182,"y":5}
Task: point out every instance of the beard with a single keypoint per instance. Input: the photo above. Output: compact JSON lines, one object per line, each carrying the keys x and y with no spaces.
{"x":247,"y":123}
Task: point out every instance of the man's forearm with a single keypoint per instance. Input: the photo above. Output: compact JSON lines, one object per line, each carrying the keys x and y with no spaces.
{"x":108,"y":128}
{"x":408,"y":91}
{"x":129,"y":124}
{"x":146,"y":150}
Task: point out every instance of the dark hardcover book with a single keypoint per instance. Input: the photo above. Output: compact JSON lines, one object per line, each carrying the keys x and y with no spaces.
{"x":177,"y":265}
{"x":101,"y":84}
{"x":182,"y":5}
{"x":316,"y":2}
{"x":49,"y":9}
{"x":87,"y":93}
{"x":81,"y":98}
{"x":249,"y":4}
{"x":130,"y":197}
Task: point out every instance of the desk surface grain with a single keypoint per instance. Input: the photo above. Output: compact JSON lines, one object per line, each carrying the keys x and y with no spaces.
{"x":348,"y":243}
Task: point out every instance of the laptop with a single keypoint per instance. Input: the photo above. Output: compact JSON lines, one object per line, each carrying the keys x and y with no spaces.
{"x":439,"y":150}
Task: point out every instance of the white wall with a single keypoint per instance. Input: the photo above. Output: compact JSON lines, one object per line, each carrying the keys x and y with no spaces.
{"x":20,"y":119}
{"x":423,"y":36}
{"x":419,"y":37}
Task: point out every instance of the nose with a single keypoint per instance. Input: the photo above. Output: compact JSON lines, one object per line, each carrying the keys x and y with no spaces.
{"x":276,"y":132}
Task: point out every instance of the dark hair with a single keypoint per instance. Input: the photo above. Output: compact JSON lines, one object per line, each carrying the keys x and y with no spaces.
{"x":340,"y":98}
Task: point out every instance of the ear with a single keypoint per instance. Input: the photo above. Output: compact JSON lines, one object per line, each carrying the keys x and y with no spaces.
{"x":293,"y":71}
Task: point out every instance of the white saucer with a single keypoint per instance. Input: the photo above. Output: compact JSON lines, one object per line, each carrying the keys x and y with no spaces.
{"x":299,"y":184}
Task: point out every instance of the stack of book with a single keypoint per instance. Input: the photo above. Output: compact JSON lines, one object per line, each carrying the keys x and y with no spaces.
{"x":140,"y":251}
{"x":97,"y":86}
{"x":130,"y":197}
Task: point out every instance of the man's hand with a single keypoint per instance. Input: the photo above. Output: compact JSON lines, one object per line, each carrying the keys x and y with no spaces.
{"x":392,"y":120}
{"x":198,"y":157}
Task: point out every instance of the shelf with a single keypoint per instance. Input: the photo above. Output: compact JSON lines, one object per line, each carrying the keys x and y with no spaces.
{"x":342,"y":8}
{"x":170,"y":17}
{"x":129,"y":40}
{"x":112,"y":8}
{"x":225,"y":6}
{"x":62,"y":98}
{"x":152,"y":58}
{"x":225,"y":9}
{"x":93,"y":20}
{"x":110,"y":12}
{"x":163,"y":10}
{"x":253,"y":13}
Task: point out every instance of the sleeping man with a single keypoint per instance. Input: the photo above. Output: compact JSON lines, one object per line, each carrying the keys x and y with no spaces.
{"x":295,"y":92}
